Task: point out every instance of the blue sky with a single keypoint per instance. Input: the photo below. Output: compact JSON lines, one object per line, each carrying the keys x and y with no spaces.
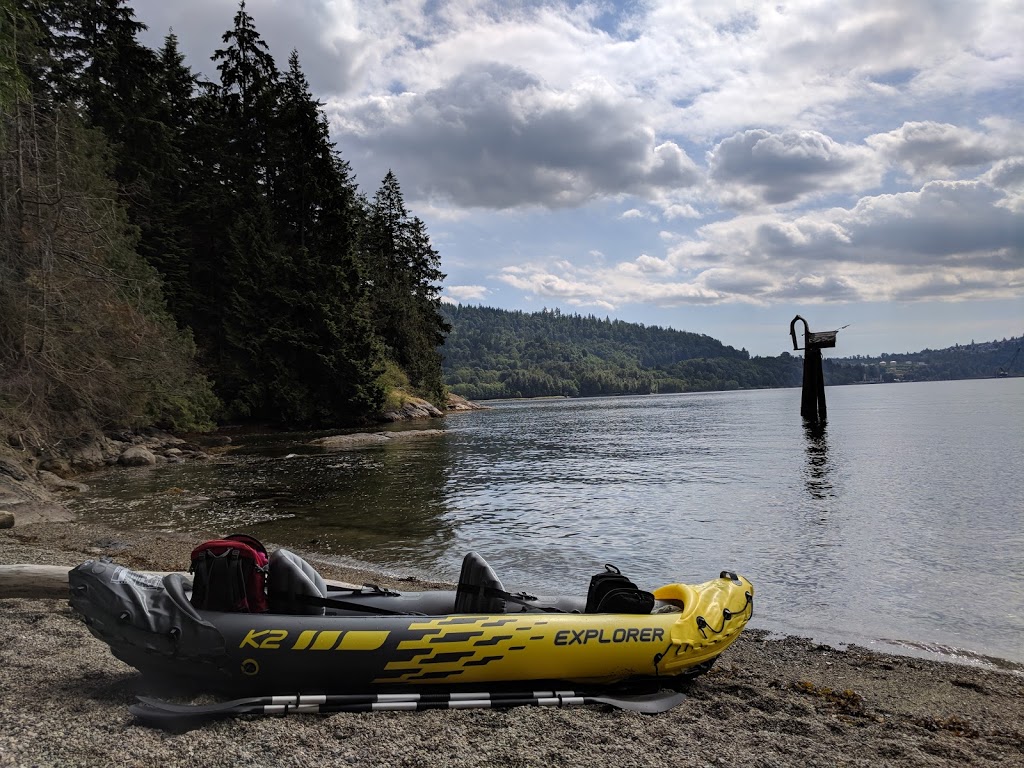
{"x":715,"y":167}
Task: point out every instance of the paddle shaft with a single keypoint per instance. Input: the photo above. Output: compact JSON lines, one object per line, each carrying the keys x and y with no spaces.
{"x":157,"y":711}
{"x":418,"y":706}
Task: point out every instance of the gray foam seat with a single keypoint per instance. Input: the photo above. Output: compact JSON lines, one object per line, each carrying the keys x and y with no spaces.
{"x":475,"y":582}
{"x":290,"y":577}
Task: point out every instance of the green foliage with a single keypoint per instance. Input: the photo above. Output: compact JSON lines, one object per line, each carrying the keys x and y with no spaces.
{"x":493,"y":353}
{"x":85,"y":339}
{"x":252,"y":234}
{"x":395,"y":383}
{"x":404,"y":271}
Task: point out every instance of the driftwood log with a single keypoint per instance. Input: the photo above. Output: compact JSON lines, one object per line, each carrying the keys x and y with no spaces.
{"x":50,"y":582}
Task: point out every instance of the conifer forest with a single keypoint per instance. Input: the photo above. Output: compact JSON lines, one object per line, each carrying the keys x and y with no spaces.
{"x":176,"y":251}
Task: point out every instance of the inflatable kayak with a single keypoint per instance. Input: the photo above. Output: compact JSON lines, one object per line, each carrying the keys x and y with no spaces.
{"x":315,"y":639}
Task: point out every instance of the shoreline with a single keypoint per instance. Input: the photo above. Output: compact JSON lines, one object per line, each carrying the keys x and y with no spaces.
{"x":768,"y":701}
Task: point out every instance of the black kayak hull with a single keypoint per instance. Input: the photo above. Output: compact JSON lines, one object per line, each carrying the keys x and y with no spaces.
{"x":149,"y":623}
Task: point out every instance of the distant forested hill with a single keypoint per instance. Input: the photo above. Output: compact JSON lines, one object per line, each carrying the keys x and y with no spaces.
{"x":961,"y":361}
{"x":494,"y":353}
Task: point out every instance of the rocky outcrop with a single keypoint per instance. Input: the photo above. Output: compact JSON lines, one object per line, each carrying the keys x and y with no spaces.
{"x":137,"y":456}
{"x":459,"y":404}
{"x":413,"y":408}
{"x":52,"y":482}
{"x":13,"y":470}
{"x":31,"y":485}
{"x":366,"y":439}
{"x":417,"y":408}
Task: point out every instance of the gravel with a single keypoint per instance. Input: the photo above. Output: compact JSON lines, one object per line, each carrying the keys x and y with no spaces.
{"x":768,"y":701}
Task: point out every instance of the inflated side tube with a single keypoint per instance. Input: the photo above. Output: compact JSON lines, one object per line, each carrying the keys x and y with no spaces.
{"x":149,"y":624}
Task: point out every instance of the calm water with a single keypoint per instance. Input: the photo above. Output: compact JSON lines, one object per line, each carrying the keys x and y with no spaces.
{"x":899,"y":526}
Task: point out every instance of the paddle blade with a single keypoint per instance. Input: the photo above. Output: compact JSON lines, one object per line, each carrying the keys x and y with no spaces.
{"x":168,"y":720}
{"x":647,"y":703}
{"x":233,"y":707}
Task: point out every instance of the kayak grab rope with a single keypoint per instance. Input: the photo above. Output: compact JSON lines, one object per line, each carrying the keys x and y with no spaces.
{"x":702,"y":623}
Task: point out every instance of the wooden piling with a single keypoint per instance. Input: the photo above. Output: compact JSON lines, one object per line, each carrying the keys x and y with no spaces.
{"x":812,"y":396}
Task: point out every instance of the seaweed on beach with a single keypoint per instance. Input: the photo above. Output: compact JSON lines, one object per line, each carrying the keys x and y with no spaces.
{"x":846,"y":702}
{"x":952,"y":724}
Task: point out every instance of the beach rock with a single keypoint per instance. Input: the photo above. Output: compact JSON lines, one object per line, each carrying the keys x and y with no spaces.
{"x":52,"y":482}
{"x":30,"y":511}
{"x":13,"y":470}
{"x":358,"y":440}
{"x":412,"y":434}
{"x":413,"y":408}
{"x":137,"y":456}
{"x":212,"y":441}
{"x":364,"y":439}
{"x":87,"y":456}
{"x":6,"y":519}
{"x":458,"y":404}
{"x":57,"y":465}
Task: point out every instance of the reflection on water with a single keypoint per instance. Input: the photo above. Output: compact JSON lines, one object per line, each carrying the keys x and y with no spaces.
{"x":373,"y":506}
{"x":818,"y":468}
{"x":901,"y":521}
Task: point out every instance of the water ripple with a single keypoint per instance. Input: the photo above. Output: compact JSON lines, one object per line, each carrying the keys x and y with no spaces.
{"x":901,"y":519}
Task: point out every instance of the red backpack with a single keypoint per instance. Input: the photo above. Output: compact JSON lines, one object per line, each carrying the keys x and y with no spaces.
{"x":230,"y":574}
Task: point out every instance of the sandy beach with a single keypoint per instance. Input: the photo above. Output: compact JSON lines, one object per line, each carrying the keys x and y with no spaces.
{"x":768,"y":702}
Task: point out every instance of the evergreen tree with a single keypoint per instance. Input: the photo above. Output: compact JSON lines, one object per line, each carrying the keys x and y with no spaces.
{"x":85,"y":340}
{"x":17,"y":31}
{"x":210,"y":206}
{"x":249,"y":88}
{"x":100,"y":68}
{"x":258,"y":277}
{"x":427,"y":334}
{"x":165,"y":217}
{"x":403,"y":270}
{"x":326,"y":359}
{"x":235,"y":249}
{"x":385,"y":245}
{"x":302,"y":157}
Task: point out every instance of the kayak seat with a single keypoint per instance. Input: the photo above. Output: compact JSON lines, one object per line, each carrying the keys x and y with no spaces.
{"x":479,"y":589}
{"x":291,"y":578}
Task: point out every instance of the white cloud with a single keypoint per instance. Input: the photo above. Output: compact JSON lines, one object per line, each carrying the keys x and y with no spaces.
{"x":1008,"y":176}
{"x":505,"y":138}
{"x":912,"y":245}
{"x":759,"y":167}
{"x":457,"y":293}
{"x":680,"y":211}
{"x":645,"y":264}
{"x":635,"y":213}
{"x":930,"y":150}
{"x":945,"y":240}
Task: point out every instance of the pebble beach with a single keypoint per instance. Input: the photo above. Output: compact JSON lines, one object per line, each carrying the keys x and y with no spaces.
{"x":767,"y":702}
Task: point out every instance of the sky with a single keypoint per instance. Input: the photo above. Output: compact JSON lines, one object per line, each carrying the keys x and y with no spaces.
{"x":716,"y":167}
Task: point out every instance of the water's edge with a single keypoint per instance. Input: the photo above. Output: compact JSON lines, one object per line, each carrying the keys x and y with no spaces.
{"x":893,"y":528}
